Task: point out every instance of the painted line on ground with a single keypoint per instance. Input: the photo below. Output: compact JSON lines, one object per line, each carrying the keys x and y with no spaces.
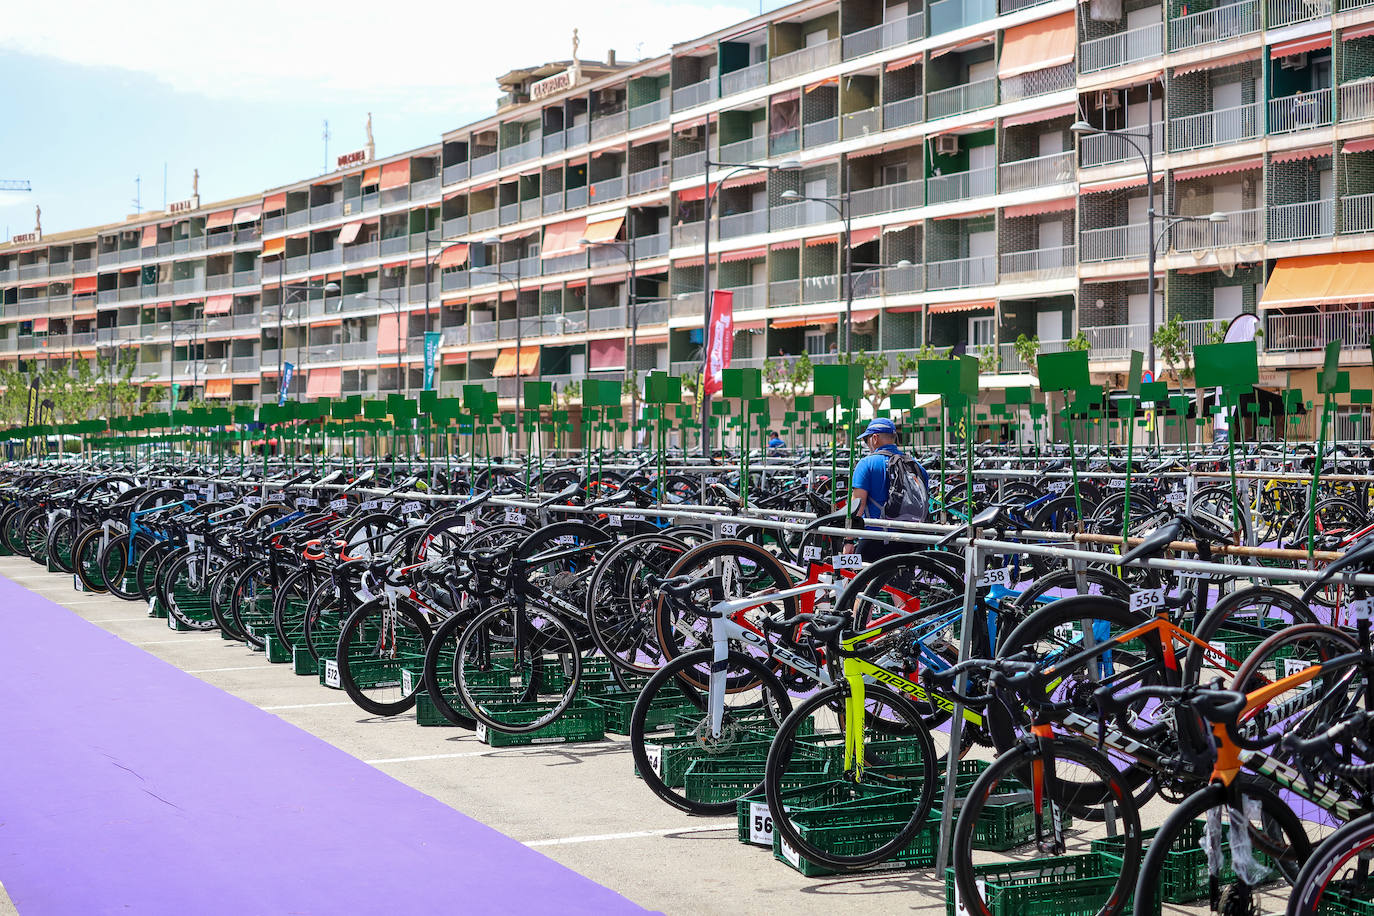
{"x":381,"y":760}
{"x":243,"y":668}
{"x":305,"y":706}
{"x":118,"y":620}
{"x":636,"y":835}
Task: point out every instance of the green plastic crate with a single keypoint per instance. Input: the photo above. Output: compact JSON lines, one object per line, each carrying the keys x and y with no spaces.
{"x":1184,"y":877}
{"x":716,"y":780}
{"x":1052,"y":886}
{"x":857,"y":827}
{"x":1339,"y":904}
{"x":661,"y":714}
{"x":581,"y":721}
{"x":427,"y":714}
{"x":278,"y":652}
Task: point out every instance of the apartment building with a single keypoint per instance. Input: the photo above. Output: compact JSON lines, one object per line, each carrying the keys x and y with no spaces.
{"x":575,"y":232}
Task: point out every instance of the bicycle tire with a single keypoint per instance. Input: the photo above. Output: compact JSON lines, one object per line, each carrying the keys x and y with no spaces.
{"x":1227,"y":616}
{"x":1318,"y":875}
{"x":61,"y":537}
{"x":367,"y":625}
{"x":86,"y":552}
{"x":533,"y":678}
{"x":185,"y":593}
{"x":441,"y":670}
{"x":621,"y":589}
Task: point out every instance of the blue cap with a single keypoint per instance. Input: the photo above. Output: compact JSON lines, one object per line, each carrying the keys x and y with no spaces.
{"x":879,"y":425}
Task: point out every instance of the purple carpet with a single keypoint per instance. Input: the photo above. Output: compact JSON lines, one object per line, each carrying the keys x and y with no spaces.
{"x":127,"y":785}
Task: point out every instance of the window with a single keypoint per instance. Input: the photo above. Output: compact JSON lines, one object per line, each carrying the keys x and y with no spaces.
{"x":982,"y":331}
{"x":895,"y":173}
{"x":815,"y":343}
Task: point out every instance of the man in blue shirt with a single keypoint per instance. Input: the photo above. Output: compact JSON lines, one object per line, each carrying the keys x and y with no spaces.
{"x":868,"y":489}
{"x":776,"y":444}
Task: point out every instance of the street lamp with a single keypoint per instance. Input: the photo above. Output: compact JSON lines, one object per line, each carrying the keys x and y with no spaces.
{"x":631,"y":364}
{"x":443,"y":246}
{"x":736,"y":168}
{"x":493,"y":242}
{"x":840,"y":204}
{"x":402,"y":375}
{"x":284,"y":294}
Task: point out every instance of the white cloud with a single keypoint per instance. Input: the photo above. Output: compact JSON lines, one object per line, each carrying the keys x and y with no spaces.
{"x":412,"y":54}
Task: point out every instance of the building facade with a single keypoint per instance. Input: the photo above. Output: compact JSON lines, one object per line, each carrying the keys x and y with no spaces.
{"x":566,"y":236}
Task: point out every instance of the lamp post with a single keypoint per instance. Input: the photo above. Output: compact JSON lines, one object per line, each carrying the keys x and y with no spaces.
{"x":284,"y":294}
{"x":443,"y":246}
{"x":493,"y":242}
{"x":840,"y":204}
{"x":710,"y":199}
{"x":402,"y":375}
{"x":631,"y":364}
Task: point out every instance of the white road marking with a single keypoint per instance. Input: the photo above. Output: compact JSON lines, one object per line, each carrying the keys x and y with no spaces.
{"x":638,"y":834}
{"x":244,"y":668}
{"x":302,"y":706}
{"x":382,"y":760}
{"x":118,"y":619}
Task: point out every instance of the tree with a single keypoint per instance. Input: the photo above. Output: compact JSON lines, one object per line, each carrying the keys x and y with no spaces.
{"x":565,"y":396}
{"x":988,"y":359}
{"x":878,"y":382}
{"x":1027,"y":350}
{"x":1078,"y":342}
{"x":788,"y":377}
{"x":1173,"y":347}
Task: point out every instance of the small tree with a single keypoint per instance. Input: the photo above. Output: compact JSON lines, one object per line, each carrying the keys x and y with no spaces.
{"x":879,"y":384}
{"x":1173,"y":347}
{"x":1027,"y":350}
{"x":788,"y":377}
{"x":565,"y":396}
{"x":1078,"y":342}
{"x":988,"y":359}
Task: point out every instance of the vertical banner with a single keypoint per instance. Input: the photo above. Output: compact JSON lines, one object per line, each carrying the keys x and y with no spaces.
{"x":432,"y":339}
{"x":287,"y":371}
{"x":31,"y":412}
{"x":721,"y":340}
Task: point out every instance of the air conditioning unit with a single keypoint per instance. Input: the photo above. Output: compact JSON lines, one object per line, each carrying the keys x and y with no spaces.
{"x":1293,"y":61}
{"x":1109,"y":99}
{"x":947,"y":145}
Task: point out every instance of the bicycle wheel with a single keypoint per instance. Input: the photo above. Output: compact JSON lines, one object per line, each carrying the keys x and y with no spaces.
{"x":119,"y":571}
{"x":621,"y":601}
{"x":441,"y":669}
{"x":888,"y":790}
{"x":1240,"y":880}
{"x":36,"y":539}
{"x":222,"y":596}
{"x":289,"y":603}
{"x":1236,"y":625}
{"x":746,"y":569}
{"x":324,"y":617}
{"x":250,"y":603}
{"x":185,"y":590}
{"x":1028,"y":808}
{"x":377,"y":643}
{"x":61,"y":536}
{"x":1336,"y":879}
{"x":145,"y":570}
{"x":87,"y":552}
{"x":518,"y":669}
{"x":668,"y":763}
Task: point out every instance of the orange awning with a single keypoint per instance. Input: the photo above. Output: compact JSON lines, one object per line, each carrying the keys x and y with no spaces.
{"x":391,"y":333}
{"x":505,"y":364}
{"x":695,"y":192}
{"x":84,"y":285}
{"x":454,"y":359}
{"x":395,"y":174}
{"x":1225,"y":168}
{"x":1294,"y":155}
{"x":529,"y":360}
{"x":1038,"y":45}
{"x":350,"y":232}
{"x":865,"y":315}
{"x":1044,"y":114}
{"x":274,"y":202}
{"x":863,"y":236}
{"x":1135,"y":181}
{"x":149,"y":237}
{"x":1217,"y":63}
{"x":219,"y":388}
{"x":1363,"y":31}
{"x":1358,"y":146}
{"x":822,"y":240}
{"x":605,"y":230}
{"x":1039,"y":207}
{"x":806,"y":322}
{"x":371,"y":175}
{"x":244,"y":215}
{"x":220,"y":220}
{"x":744,"y":254}
{"x":1323,"y":279}
{"x":325,"y":383}
{"x":902,"y":63}
{"x":1300,"y":46}
{"x":219,"y":305}
{"x":563,"y":238}
{"x":947,"y":307}
{"x":40,"y":326}
{"x":453,"y":256}
{"x":273,"y":247}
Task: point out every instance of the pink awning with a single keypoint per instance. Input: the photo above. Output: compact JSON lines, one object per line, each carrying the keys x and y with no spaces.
{"x":274,"y":202}
{"x":902,"y":63}
{"x":1295,"y":155}
{"x":220,"y":220}
{"x":1352,"y":146}
{"x":744,"y":254}
{"x":350,"y":232}
{"x":149,"y":237}
{"x":1218,"y":63}
{"x":1224,"y":168}
{"x":391,"y":333}
{"x":1039,"y":207}
{"x":219,"y":305}
{"x":453,"y":256}
{"x":325,"y":383}
{"x":563,"y":238}
{"x":40,"y":325}
{"x":245,"y":215}
{"x":1135,"y":181}
{"x":864,"y":236}
{"x":1044,"y":114}
{"x":606,"y":354}
{"x":1363,"y":31}
{"x":947,"y":307}
{"x":1300,"y":46}
{"x":395,"y":175}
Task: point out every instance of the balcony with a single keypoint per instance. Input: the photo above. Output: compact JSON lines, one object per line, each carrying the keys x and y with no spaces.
{"x":608,"y":125}
{"x":487,"y":162}
{"x":482,"y":220}
{"x":795,"y":63}
{"x":1289,"y":12}
{"x":886,"y":198}
{"x":651,"y":113}
{"x":1357,"y":100}
{"x":1312,"y":219}
{"x":574,"y":198}
{"x":521,"y":152}
{"x":360,"y":251}
{"x":941,"y":189}
{"x":1314,"y":330}
{"x":1215,"y":128}
{"x":744,"y":79}
{"x":605,"y":319}
{"x":1038,"y":82}
{"x":745,"y":298}
{"x":1220,"y":24}
{"x":332,"y":257}
{"x":1043,"y":171}
{"x":784,"y":292}
{"x":744,"y":151}
{"x":1357,"y":213}
{"x":510,"y":213}
{"x":33,"y":271}
{"x":1129,"y":47}
{"x":554,"y":143}
{"x":1038,"y":264}
{"x":736,"y":225}
{"x":945,"y":103}
{"x":455,"y":173}
{"x":803,"y":213}
{"x":884,"y":35}
{"x":694,"y":95}
{"x":331,"y":210}
{"x":607,"y":189}
{"x":820,"y":289}
{"x":650,"y":246}
{"x":960,"y":272}
{"x":1106,"y":149}
{"x":948,"y":15}
{"x":903,"y":112}
{"x":575,"y":136}
{"x":861,"y":123}
{"x":1113,"y":243}
{"x":649,"y":180}
{"x":820,"y":133}
{"x":689,"y":165}
{"x":1009,"y":361}
{"x":1116,"y":341}
{"x":1303,"y":111}
{"x":419,"y":190}
{"x":1243,"y":228}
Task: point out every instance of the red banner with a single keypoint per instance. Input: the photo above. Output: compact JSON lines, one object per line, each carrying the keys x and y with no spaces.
{"x":720,"y":340}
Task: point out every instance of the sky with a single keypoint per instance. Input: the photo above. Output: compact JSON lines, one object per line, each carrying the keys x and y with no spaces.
{"x":103,"y":99}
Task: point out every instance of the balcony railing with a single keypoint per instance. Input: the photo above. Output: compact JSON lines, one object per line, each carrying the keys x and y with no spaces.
{"x":331,"y":210}
{"x":803,"y":213}
{"x":744,"y":151}
{"x":960,"y":272}
{"x":606,"y":318}
{"x":690,"y":164}
{"x":483,"y":219}
{"x":820,"y":133}
{"x":1202,"y":331}
{"x":885,"y":35}
{"x":1215,"y":128}
{"x":1105,"y":149}
{"x":649,"y":180}
{"x":744,"y":79}
{"x":1314,"y":330}
{"x":1357,"y":100}
{"x":960,"y":185}
{"x":1220,"y":24}
{"x":693,"y":95}
{"x":886,"y":198}
{"x":948,"y":15}
{"x":1116,"y":341}
{"x":944,"y":103}
{"x":576,"y":135}
{"x":1143,"y":43}
{"x":1039,"y":264}
{"x":486,"y":162}
{"x":861,"y":123}
{"x":739,"y":224}
{"x":573,"y":198}
{"x":820,"y":289}
{"x":1242,"y":228}
{"x":1357,"y":213}
{"x":1038,"y":82}
{"x":903,"y":112}
{"x":1311,"y":219}
{"x":1288,"y":12}
{"x":1113,"y":243}
{"x":651,"y":113}
{"x":1303,"y":111}
{"x":456,"y":172}
{"x":510,"y":213}
{"x":1056,"y":168}
{"x":795,"y":63}
{"x":608,"y":125}
{"x":1010,"y":361}
{"x":607,"y":189}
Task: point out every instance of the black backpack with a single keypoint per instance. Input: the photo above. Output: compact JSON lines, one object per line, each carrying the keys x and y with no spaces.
{"x":908,"y":496}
